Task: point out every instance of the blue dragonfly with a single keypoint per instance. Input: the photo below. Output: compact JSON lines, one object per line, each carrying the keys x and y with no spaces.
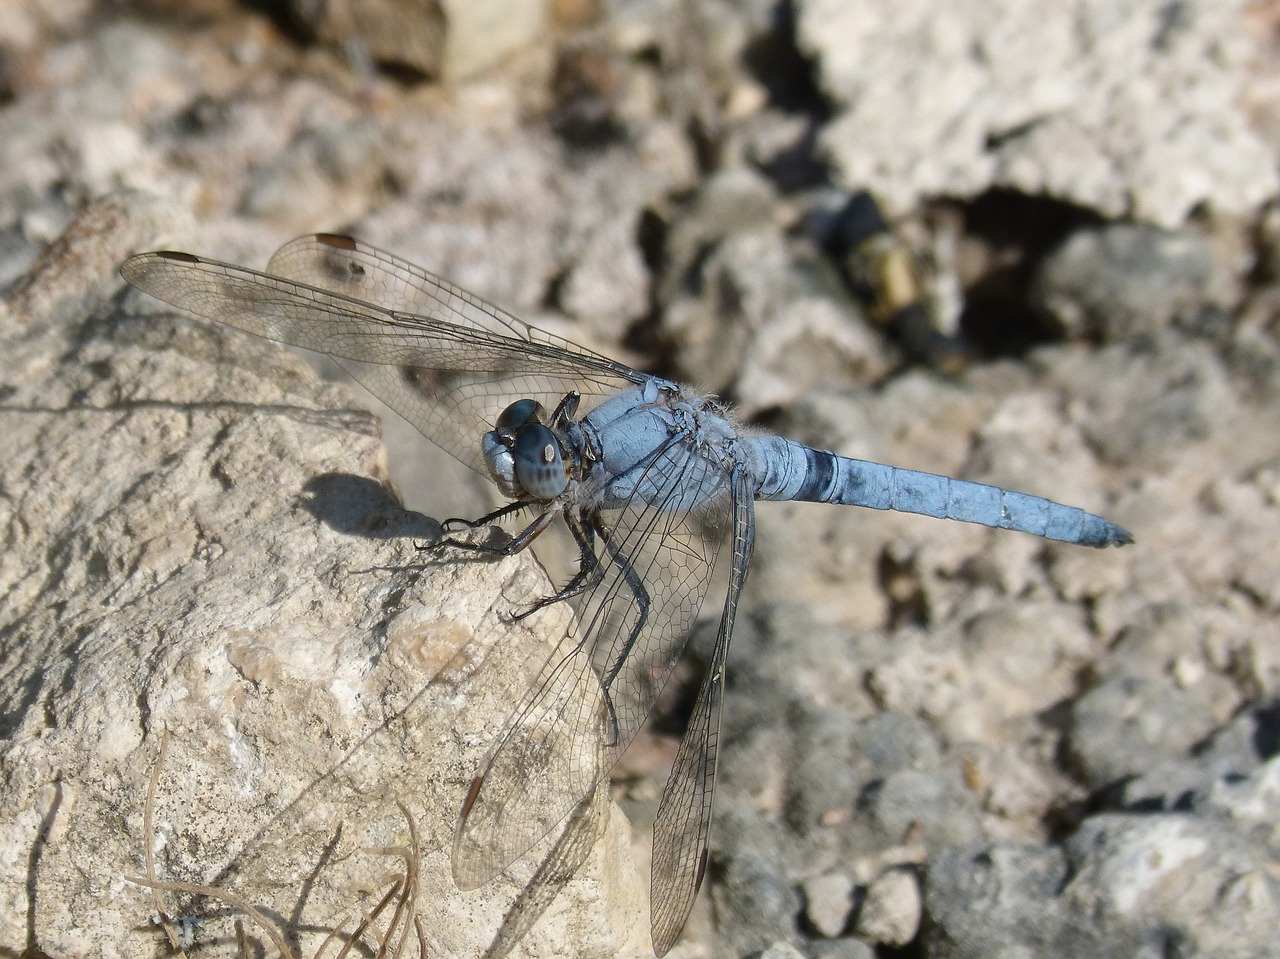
{"x":649,"y":476}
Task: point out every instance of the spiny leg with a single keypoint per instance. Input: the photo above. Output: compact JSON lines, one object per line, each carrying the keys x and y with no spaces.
{"x":590,"y":570}
{"x":517,"y":544}
{"x":488,"y":519}
{"x":590,"y":574}
{"x":457,"y":521}
{"x":641,"y":595}
{"x":565,"y":410}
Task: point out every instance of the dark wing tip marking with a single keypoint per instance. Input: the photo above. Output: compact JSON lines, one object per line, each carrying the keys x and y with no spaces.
{"x":466,"y":875}
{"x":338,"y":240}
{"x":472,"y":794}
{"x":135,"y":267}
{"x":702,"y":872}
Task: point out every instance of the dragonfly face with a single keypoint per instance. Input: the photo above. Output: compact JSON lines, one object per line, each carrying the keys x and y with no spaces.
{"x":539,"y":462}
{"x":525,"y":458}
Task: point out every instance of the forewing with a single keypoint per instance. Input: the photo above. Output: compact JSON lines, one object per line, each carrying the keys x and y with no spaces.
{"x":596,"y":689}
{"x":449,"y":362}
{"x":353,"y":268}
{"x":683,"y":824}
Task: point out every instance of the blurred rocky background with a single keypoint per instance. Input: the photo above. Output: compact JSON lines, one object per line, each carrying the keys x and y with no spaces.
{"x":1028,"y":243}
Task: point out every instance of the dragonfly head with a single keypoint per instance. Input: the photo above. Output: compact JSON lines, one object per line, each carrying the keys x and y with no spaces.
{"x":524,"y":457}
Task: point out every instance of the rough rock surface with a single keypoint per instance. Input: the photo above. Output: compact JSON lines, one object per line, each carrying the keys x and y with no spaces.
{"x":1136,"y":109}
{"x":976,"y":739}
{"x":202,"y":546}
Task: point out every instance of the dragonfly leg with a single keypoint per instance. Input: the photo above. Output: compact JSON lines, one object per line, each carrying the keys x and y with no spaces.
{"x":517,"y":544}
{"x":488,"y":519}
{"x":590,"y":571}
{"x":610,"y":672}
{"x":566,"y":409}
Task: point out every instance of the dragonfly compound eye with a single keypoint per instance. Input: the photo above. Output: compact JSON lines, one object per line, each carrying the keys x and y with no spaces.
{"x":521,"y":412}
{"x":538,"y":462}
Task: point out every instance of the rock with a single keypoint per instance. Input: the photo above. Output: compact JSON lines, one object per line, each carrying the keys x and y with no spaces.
{"x":481,"y":34}
{"x":1174,"y":879}
{"x":1175,"y":393}
{"x":1124,"y":885}
{"x":436,"y":37}
{"x":75,"y":276}
{"x":1160,"y":697}
{"x":936,"y":805}
{"x":1233,"y":753}
{"x":700,"y":53}
{"x":1124,"y":280}
{"x":749,"y":309}
{"x":993,"y":900}
{"x":780,"y":950}
{"x":607,"y":288}
{"x":1086,"y":105}
{"x":755,"y":906}
{"x":226,"y":654}
{"x":413,"y":34}
{"x":338,"y":160}
{"x":890,"y":912}
{"x":836,"y":758}
{"x":849,"y":948}
{"x":828,"y":901}
{"x":1127,"y":724}
{"x":1249,"y":801}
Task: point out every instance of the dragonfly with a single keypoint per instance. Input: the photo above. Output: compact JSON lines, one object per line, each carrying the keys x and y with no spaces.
{"x":648,"y":475}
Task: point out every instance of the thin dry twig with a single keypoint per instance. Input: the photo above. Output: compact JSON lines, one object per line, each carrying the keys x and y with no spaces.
{"x":148,"y":832}
{"x":403,"y":893}
{"x":408,"y":910}
{"x":334,"y":933}
{"x":404,"y":918}
{"x":226,"y":896}
{"x":368,"y":923}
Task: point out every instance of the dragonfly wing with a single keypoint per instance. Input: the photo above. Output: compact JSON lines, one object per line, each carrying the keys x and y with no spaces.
{"x":449,"y":371}
{"x":597,"y":688}
{"x":683,"y":823}
{"x":353,"y":268}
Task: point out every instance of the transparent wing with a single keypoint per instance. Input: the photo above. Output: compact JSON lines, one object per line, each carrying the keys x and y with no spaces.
{"x":683,"y":825}
{"x":443,"y":359}
{"x":596,"y":689}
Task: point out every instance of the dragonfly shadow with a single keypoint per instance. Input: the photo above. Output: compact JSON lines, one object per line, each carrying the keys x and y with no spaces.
{"x":361,"y":506}
{"x":567,"y":855}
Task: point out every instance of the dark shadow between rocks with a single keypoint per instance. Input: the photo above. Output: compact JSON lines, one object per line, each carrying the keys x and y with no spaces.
{"x":1018,"y":231}
{"x":1266,"y":737}
{"x":361,"y":506}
